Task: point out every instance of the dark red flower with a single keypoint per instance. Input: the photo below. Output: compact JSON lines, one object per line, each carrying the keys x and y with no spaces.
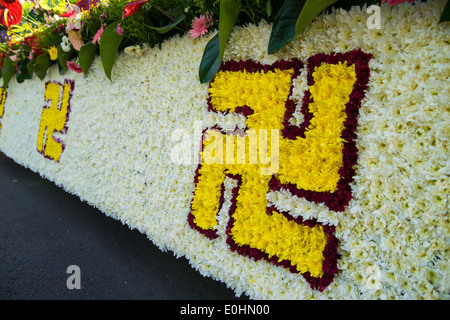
{"x":132,"y":7}
{"x":86,"y":4}
{"x":10,"y":12}
{"x":33,"y":42}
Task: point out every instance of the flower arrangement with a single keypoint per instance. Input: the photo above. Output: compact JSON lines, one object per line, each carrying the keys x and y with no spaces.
{"x":76,"y":32}
{"x":374,"y":218}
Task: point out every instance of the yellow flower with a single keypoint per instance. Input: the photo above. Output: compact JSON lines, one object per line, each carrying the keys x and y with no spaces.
{"x":53,"y":52}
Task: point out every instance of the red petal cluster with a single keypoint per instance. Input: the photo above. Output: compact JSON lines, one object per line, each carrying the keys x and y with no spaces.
{"x":132,"y":7}
{"x":10,"y":12}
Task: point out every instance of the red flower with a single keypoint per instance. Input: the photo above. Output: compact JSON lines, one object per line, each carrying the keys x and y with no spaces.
{"x":132,"y":7}
{"x":10,"y":12}
{"x":2,"y":58}
{"x":67,"y":14}
{"x":33,"y":42}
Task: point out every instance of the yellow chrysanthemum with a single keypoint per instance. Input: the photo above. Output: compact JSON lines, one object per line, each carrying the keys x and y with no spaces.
{"x":53,"y":52}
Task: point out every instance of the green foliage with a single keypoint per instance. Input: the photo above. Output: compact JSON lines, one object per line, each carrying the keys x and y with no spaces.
{"x":229,"y":12}
{"x":8,"y":71}
{"x":446,"y":13}
{"x":41,"y":65}
{"x":169,"y":27}
{"x":87,"y":55}
{"x":283,"y":30}
{"x":22,"y":73}
{"x":309,"y":11}
{"x":63,"y":57}
{"x":211,"y":61}
{"x":109,"y":45}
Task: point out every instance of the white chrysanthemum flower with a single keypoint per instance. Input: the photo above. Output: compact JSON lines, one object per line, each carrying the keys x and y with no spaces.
{"x":65,"y":44}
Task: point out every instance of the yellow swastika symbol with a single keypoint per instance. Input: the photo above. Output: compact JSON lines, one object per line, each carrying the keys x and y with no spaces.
{"x":2,"y":103}
{"x":54,"y":119}
{"x":311,"y":162}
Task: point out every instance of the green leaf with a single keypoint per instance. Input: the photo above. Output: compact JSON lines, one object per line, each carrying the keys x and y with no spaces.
{"x":210,"y":63}
{"x":87,"y":55}
{"x":109,"y":44}
{"x":22,"y":73}
{"x":229,"y":12}
{"x":30,"y":66}
{"x":269,"y":8}
{"x":41,"y":65}
{"x":168,"y":27}
{"x":61,"y":69}
{"x":310,"y":10}
{"x":9,"y":68}
{"x":213,"y":53}
{"x":445,"y":16}
{"x":283,"y":29}
{"x":44,"y":6}
{"x":63,"y":57}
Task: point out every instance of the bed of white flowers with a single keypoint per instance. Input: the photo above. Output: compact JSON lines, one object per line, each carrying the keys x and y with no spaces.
{"x":115,"y":142}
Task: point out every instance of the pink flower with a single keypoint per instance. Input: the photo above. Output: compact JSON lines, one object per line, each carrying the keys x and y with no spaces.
{"x":394,"y":2}
{"x":200,"y":25}
{"x":119,"y":30}
{"x":74,"y":67}
{"x":74,"y":21}
{"x":98,"y":35}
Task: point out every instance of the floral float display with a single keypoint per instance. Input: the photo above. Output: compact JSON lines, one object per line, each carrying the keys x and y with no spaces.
{"x":307,"y":168}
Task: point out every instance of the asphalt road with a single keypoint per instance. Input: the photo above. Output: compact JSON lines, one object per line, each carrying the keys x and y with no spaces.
{"x":44,"y":230}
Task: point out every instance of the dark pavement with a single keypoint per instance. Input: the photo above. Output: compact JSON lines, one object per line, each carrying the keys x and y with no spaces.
{"x":43,"y":230}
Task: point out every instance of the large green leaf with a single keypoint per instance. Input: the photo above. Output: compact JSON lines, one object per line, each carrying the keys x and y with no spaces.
{"x":41,"y":65}
{"x":310,"y":10}
{"x":87,"y":55}
{"x":109,"y":44}
{"x":214,"y":49}
{"x":229,"y":12}
{"x":445,"y":16}
{"x":210,"y":63}
{"x":283,"y":29}
{"x":8,"y":71}
{"x":168,"y":27}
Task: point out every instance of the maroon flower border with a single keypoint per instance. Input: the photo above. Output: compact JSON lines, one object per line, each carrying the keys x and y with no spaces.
{"x":336,"y":201}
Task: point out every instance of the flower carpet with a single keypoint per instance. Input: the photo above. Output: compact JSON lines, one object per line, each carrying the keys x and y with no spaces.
{"x":317,"y":172}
